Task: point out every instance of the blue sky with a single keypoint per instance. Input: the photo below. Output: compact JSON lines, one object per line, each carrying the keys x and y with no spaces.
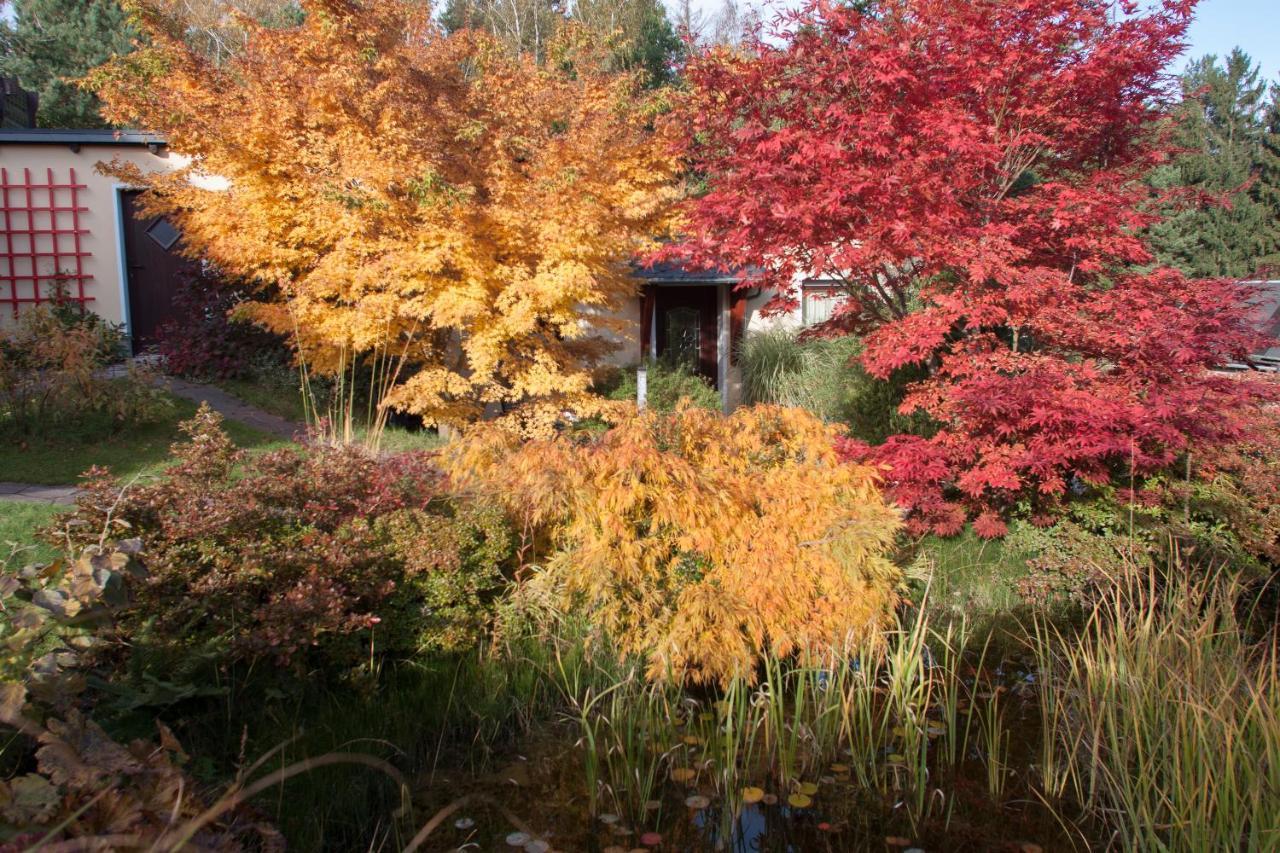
{"x":1252,"y":24}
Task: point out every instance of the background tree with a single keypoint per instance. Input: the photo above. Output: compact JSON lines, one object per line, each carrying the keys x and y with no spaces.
{"x":427,"y":203}
{"x":1267,"y":190}
{"x":51,"y":43}
{"x":640,"y":32}
{"x":1227,"y":222}
{"x":974,"y":175}
{"x":216,"y":27}
{"x":526,"y":27}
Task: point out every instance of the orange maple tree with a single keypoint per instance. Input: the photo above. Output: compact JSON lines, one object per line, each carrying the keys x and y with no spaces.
{"x":399,"y":195}
{"x":700,"y":542}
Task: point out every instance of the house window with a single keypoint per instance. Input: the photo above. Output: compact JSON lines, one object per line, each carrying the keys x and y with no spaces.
{"x":163,"y":232}
{"x":818,"y":302}
{"x":684,"y":333}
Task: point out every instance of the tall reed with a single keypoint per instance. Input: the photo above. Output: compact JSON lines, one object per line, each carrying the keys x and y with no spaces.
{"x":1165,"y":718}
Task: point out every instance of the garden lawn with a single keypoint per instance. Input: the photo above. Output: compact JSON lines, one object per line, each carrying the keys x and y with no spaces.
{"x":19,"y":521}
{"x":135,"y":450}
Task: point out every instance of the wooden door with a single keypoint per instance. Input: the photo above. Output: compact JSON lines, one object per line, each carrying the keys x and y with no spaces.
{"x":153,"y":265}
{"x":686,"y":327}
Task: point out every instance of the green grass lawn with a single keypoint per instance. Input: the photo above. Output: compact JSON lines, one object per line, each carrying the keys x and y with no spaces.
{"x":969,"y":576}
{"x":49,"y":460}
{"x":18,"y":523}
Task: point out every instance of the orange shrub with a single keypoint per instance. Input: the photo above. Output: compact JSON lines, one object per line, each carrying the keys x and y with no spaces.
{"x":700,"y":541}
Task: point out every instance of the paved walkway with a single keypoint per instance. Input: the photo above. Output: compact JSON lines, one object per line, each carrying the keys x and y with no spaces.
{"x":37,"y":494}
{"x":231,"y":408}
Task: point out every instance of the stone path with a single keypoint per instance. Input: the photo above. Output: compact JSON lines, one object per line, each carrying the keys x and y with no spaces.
{"x":231,"y":408}
{"x":37,"y":494}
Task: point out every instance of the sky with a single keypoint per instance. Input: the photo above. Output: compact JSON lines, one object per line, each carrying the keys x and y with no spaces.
{"x":1220,"y":25}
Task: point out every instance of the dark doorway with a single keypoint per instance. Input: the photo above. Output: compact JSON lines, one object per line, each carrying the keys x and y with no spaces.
{"x":153,"y":265}
{"x":685,"y":316}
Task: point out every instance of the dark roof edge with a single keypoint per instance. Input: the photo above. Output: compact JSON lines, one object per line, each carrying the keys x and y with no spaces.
{"x":59,"y":136}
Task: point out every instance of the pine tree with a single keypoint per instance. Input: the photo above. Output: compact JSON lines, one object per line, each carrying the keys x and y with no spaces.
{"x":1224,"y":224}
{"x":1267,"y":189}
{"x":51,"y":43}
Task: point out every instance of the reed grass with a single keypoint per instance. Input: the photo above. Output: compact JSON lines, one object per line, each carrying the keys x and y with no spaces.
{"x":1163,"y":717}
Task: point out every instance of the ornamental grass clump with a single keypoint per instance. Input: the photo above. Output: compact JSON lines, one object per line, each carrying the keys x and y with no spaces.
{"x":1162,"y":719}
{"x":697,"y":541}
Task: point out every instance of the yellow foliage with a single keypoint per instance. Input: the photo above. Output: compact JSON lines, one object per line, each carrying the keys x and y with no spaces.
{"x":701,"y":541}
{"x":399,"y":193}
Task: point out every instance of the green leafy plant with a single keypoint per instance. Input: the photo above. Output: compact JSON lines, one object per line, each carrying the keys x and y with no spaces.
{"x":666,"y":385}
{"x":824,"y":376}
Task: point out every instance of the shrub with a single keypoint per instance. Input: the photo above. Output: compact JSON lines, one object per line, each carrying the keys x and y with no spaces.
{"x":666,"y":386}
{"x":319,"y":559}
{"x":699,"y":541}
{"x":825,"y":377}
{"x":50,"y":615}
{"x":52,"y":376}
{"x":204,"y":340}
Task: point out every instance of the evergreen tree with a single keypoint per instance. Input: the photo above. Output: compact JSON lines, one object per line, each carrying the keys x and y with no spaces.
{"x":641,"y":32}
{"x":1226,"y":225}
{"x":1267,"y":190}
{"x":51,"y":43}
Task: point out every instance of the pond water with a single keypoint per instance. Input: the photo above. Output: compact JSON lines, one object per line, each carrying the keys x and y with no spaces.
{"x":962,"y":804}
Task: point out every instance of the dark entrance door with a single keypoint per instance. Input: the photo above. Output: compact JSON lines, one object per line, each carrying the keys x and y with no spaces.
{"x":686,"y":327}
{"x":153,"y":265}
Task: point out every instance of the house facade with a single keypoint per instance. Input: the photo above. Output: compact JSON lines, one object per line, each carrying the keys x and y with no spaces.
{"x":70,"y":232}
{"x":699,"y":319}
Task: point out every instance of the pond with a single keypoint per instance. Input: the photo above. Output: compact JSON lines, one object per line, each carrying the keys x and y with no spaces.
{"x":966,"y":777}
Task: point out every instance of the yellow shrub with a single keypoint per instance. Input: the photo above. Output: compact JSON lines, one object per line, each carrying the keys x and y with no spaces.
{"x":700,"y":541}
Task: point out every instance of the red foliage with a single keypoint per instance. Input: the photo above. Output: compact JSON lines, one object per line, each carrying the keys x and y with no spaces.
{"x":202,"y":341}
{"x":972,"y":173}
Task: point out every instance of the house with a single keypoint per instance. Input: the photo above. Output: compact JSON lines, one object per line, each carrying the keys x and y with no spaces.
{"x":68,"y":228}
{"x":699,"y":319}
{"x":1265,"y":315}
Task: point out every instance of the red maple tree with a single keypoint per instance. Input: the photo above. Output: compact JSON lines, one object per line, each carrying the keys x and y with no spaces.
{"x":972,"y":174}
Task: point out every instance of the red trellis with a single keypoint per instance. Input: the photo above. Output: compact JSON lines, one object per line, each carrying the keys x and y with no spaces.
{"x":42,"y":248}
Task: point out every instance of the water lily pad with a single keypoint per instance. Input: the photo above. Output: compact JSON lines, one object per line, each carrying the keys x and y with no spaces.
{"x":808,"y":788}
{"x":652,"y":805}
{"x":609,"y":819}
{"x":651,"y":839}
{"x":697,"y":801}
{"x":537,"y":845}
{"x":826,"y":780}
{"x":1030,"y":847}
{"x":620,"y":831}
{"x":464,"y":823}
{"x":518,"y":839}
{"x":770,"y":799}
{"x":692,"y":740}
{"x":800,"y":801}
{"x":683,"y":774}
{"x":839,"y":768}
{"x":752,"y":795}
{"x":897,"y":841}
{"x":897,"y":758}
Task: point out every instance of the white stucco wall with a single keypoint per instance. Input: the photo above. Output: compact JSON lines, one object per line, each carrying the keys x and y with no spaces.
{"x":100,"y":219}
